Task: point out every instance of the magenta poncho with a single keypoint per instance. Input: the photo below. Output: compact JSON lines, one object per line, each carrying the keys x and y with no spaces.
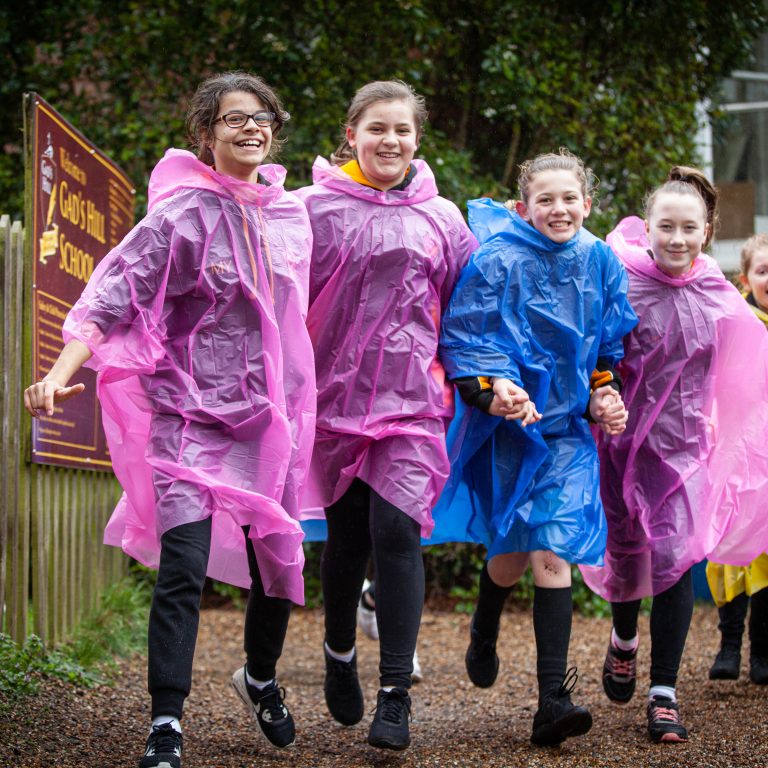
{"x":205,"y":373}
{"x":688,"y":479}
{"x":383,"y":268}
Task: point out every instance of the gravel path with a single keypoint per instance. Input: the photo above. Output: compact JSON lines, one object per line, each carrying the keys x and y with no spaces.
{"x":455,"y":724}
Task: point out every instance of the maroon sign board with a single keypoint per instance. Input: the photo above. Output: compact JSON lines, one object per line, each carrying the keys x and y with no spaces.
{"x":82,"y":206}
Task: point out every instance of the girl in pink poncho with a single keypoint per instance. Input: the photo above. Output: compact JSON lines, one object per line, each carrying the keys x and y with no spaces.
{"x":195,"y":324}
{"x":737,"y":589}
{"x":387,"y":251}
{"x":688,"y":478}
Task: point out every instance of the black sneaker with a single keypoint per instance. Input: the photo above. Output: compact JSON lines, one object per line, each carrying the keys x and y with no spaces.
{"x":619,"y":674}
{"x":726,"y":665}
{"x":163,"y":748}
{"x":481,"y":660}
{"x":758,"y":670}
{"x":343,"y":694}
{"x":389,"y":729}
{"x":266,"y":705}
{"x":664,"y":724}
{"x":558,"y":718}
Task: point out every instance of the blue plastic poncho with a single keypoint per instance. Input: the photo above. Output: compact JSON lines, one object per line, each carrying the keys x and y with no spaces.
{"x":541,"y":314}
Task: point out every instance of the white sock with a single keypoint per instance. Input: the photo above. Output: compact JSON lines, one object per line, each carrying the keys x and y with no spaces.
{"x":663,"y":691}
{"x":346,"y":657}
{"x":388,"y":688}
{"x":163,"y":719}
{"x":260,"y":684}
{"x":624,"y":645}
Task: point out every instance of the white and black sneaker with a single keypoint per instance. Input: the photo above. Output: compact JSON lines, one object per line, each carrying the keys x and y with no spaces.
{"x":163,"y":748}
{"x":266,"y":705}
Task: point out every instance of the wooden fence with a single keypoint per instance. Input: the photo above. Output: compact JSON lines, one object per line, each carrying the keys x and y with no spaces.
{"x":53,"y":565}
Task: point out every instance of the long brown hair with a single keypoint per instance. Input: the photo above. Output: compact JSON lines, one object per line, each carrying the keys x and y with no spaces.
{"x":379,"y":90}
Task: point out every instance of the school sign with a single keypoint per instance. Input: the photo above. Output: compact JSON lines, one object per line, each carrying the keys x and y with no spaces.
{"x":81,"y":207}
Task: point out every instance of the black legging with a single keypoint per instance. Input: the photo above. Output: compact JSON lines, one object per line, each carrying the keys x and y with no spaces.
{"x":360,"y":523}
{"x":175,"y":613}
{"x":671,"y":614}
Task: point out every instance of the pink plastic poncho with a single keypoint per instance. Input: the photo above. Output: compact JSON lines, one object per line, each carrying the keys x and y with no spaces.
{"x":205,"y":369}
{"x":383,"y":268}
{"x":688,"y":479}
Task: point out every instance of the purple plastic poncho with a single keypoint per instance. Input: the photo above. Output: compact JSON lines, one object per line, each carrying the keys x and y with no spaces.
{"x":688,"y":479}
{"x":205,"y":370}
{"x":383,"y":268}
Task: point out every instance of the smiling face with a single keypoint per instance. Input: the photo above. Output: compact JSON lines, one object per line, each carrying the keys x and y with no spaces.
{"x":385,"y":138}
{"x":556,"y":205}
{"x":677,"y":228}
{"x":238,"y":152}
{"x":756,"y":279}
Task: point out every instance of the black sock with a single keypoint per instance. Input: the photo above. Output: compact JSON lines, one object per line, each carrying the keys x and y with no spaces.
{"x":490,"y":603}
{"x":552,"y":617}
{"x":758,"y":624}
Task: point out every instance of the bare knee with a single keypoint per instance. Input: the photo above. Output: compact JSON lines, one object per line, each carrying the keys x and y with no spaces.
{"x":549,"y":570}
{"x":506,"y":570}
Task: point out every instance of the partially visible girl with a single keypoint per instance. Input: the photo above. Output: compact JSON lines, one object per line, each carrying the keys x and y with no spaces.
{"x":387,"y":253}
{"x":688,"y":478}
{"x":531,"y":337}
{"x":735,"y":589}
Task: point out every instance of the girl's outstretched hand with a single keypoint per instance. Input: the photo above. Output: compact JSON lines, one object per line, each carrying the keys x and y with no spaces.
{"x":40,"y":397}
{"x":512,"y":402}
{"x":607,"y":409}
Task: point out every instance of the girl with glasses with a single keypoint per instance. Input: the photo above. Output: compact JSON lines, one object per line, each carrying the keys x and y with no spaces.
{"x":195,"y":324}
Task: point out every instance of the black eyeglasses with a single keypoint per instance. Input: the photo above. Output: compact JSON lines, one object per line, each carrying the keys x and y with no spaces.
{"x":239,"y":119}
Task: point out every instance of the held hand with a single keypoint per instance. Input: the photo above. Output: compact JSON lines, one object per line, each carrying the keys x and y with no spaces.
{"x":40,"y":397}
{"x":526,"y":412}
{"x":608,"y":410}
{"x":512,"y":402}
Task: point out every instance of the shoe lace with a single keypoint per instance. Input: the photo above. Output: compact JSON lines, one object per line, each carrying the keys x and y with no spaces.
{"x":622,"y":667}
{"x":392,"y":705}
{"x":164,"y":739}
{"x":271,"y":700}
{"x":660,"y":713}
{"x":344,"y":669}
{"x":569,"y":682}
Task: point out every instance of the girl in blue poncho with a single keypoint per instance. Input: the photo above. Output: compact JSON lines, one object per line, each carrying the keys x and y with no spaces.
{"x":539,"y":313}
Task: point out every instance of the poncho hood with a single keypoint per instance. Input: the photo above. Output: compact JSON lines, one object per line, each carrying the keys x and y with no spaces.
{"x":179,"y":169}
{"x":423,"y":186}
{"x":631,"y":241}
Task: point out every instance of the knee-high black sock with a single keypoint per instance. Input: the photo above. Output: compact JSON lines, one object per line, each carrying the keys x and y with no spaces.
{"x":732,"y":616}
{"x":552,"y":618}
{"x":758,"y":624}
{"x":490,"y":603}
